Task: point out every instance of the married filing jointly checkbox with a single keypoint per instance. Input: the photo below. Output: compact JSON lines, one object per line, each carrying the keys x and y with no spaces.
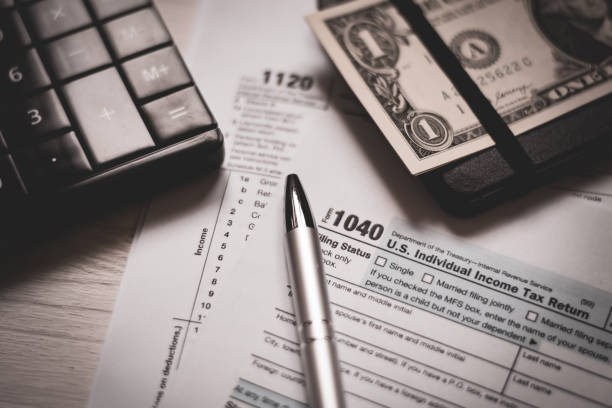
{"x":427,"y":278}
{"x":531,"y":316}
{"x":380,"y":261}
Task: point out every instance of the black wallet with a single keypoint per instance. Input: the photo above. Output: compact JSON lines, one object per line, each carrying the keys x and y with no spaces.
{"x":516,"y":164}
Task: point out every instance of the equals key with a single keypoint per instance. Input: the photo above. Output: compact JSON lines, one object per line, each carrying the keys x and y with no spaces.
{"x":178,"y":114}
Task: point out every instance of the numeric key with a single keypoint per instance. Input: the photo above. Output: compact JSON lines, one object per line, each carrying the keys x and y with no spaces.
{"x":35,"y":117}
{"x":13,"y":34}
{"x":53,"y":163}
{"x":21,"y":74}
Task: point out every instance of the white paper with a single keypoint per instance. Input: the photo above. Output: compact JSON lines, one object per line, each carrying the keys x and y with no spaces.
{"x":193,"y":234}
{"x":548,"y":240}
{"x":161,"y":349}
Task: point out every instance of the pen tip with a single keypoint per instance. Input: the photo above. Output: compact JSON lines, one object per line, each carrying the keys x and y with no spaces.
{"x":292,"y":178}
{"x":297,"y":211}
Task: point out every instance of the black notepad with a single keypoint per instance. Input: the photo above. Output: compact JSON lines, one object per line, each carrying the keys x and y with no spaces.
{"x":515,"y":164}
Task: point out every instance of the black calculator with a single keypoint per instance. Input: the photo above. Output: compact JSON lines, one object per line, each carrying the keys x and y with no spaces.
{"x":91,"y":91}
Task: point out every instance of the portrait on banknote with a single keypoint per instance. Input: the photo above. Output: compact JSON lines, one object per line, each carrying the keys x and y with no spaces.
{"x":581,"y":29}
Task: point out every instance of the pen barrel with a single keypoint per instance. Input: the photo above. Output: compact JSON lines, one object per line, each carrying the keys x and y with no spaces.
{"x":313,"y":315}
{"x":307,"y":276}
{"x":323,"y":383}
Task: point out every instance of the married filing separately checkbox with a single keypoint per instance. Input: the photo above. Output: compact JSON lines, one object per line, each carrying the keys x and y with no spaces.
{"x":531,"y":316}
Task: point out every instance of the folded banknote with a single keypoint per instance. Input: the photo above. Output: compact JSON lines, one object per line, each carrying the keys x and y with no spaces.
{"x":534,"y":60}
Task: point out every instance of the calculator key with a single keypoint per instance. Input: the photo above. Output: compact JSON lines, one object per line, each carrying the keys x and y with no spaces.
{"x":111,"y":125}
{"x":156,"y":72}
{"x":53,"y":163}
{"x":22,"y":73}
{"x":108,"y":8}
{"x":77,"y":53}
{"x":10,"y":186}
{"x":54,"y":17}
{"x":36,"y":116}
{"x":136,"y":32}
{"x":13,"y":34}
{"x":31,"y":118}
{"x":177,"y":114}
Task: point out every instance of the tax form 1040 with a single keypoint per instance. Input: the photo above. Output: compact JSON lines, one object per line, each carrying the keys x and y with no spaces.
{"x":511,"y":309}
{"x":194,"y":325}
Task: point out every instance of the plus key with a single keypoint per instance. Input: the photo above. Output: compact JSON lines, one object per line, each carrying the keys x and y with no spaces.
{"x":107,"y":113}
{"x":111,"y":125}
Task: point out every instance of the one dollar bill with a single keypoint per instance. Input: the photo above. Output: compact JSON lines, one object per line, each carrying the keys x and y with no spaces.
{"x":534,"y":61}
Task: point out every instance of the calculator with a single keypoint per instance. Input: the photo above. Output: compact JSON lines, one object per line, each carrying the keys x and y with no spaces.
{"x":92,"y":92}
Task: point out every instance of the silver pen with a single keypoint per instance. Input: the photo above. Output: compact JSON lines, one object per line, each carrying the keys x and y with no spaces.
{"x":310,"y":301}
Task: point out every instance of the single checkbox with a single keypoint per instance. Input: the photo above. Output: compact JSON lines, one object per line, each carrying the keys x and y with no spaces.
{"x":531,"y":316}
{"x":380,"y":261}
{"x":427,"y":278}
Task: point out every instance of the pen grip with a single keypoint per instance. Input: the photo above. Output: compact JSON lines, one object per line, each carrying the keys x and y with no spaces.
{"x":307,"y":276}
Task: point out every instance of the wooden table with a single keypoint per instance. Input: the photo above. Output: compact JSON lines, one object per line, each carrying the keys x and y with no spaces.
{"x":56,"y":298}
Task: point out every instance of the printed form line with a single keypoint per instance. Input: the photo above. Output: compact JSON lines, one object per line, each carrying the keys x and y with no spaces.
{"x":195,"y":299}
{"x":464,"y":279}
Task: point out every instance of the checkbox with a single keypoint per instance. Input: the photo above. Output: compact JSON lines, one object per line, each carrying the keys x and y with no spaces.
{"x":380,"y":261}
{"x":531,"y":316}
{"x":427,"y":278}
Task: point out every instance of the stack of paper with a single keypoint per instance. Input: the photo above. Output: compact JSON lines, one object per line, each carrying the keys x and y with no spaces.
{"x":511,"y":308}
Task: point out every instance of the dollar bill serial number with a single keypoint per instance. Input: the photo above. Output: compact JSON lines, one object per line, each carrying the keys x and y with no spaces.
{"x":504,"y":71}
